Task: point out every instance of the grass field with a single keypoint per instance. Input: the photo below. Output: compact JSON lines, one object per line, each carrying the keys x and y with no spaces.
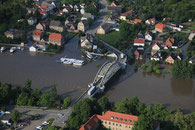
{"x":111,"y":38}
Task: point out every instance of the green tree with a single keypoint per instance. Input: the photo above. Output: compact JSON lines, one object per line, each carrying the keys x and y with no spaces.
{"x":124,"y":28}
{"x":149,"y":69}
{"x":182,"y":69}
{"x":144,"y":67}
{"x":52,"y":128}
{"x":23,"y":99}
{"x":67,"y":102}
{"x":81,"y":112}
{"x":104,"y":103}
{"x":143,"y":123}
{"x":15,"y":116}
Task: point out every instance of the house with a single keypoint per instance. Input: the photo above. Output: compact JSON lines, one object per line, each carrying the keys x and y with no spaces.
{"x":86,"y":44}
{"x":83,"y":25}
{"x":156,"y":47}
{"x":41,"y":26}
{"x":86,"y":16}
{"x":33,"y":48}
{"x":67,"y":9}
{"x":14,"y":33}
{"x":56,"y":39}
{"x":171,"y":59}
{"x":77,"y":7}
{"x":60,"y":12}
{"x":103,"y":29}
{"x":191,"y":36}
{"x":160,"y":40}
{"x":139,"y":42}
{"x":170,"y":43}
{"x":37,"y":35}
{"x":137,"y":21}
{"x":126,"y":14}
{"x":174,"y":27}
{"x":113,"y":120}
{"x":151,"y":21}
{"x":148,"y":36}
{"x":82,"y":11}
{"x":115,"y":11}
{"x":156,"y":56}
{"x":32,"y":21}
{"x":6,"y":119}
{"x":114,"y":3}
{"x":138,"y":54}
{"x":160,"y":27}
{"x":56,"y":25}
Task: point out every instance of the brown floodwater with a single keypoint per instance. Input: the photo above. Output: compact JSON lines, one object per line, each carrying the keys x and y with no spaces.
{"x":152,"y":88}
{"x":72,"y":81}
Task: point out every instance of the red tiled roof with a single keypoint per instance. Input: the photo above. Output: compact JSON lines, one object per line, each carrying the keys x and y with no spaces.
{"x":193,"y":31}
{"x":42,"y":12}
{"x":169,"y":42}
{"x":68,"y":8}
{"x":44,"y":7}
{"x":137,"y":20}
{"x":155,"y":44}
{"x":55,"y":37}
{"x":93,"y":122}
{"x":37,"y":33}
{"x":160,"y":26}
{"x":119,"y":117}
{"x":128,"y":13}
{"x":137,"y":40}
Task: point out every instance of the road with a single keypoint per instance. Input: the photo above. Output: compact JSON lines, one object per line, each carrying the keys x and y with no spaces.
{"x":101,"y":18}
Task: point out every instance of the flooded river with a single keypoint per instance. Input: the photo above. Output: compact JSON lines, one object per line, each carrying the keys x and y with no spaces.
{"x":71,"y":81}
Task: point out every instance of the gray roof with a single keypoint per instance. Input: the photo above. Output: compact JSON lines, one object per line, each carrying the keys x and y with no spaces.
{"x":55,"y":23}
{"x":118,"y":9}
{"x":84,"y":22}
{"x":105,"y":26}
{"x":6,"y":117}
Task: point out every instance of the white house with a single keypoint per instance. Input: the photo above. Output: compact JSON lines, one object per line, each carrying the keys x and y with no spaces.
{"x":33,"y":49}
{"x":156,"y":57}
{"x":151,"y":21}
{"x":155,"y":47}
{"x":82,"y":11}
{"x":148,"y":37}
{"x":86,"y":44}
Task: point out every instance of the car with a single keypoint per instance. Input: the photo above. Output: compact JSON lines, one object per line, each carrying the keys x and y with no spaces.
{"x":39,"y":127}
{"x":45,"y":123}
{"x":60,"y":114}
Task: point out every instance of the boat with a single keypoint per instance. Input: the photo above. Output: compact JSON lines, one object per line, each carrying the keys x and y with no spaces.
{"x":89,"y":55}
{"x":67,"y":62}
{"x":12,"y":49}
{"x":78,"y":62}
{"x":2,"y":49}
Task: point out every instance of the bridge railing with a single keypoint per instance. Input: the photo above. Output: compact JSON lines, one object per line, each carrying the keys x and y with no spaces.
{"x":100,"y":71}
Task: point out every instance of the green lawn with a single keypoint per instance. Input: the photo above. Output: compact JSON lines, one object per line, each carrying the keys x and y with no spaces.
{"x":111,"y":38}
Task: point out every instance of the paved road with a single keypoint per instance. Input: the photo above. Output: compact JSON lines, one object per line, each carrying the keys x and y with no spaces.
{"x":100,"y":19}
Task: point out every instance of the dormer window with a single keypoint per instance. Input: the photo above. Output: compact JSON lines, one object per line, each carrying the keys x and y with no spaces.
{"x":116,"y":118}
{"x":125,"y":120}
{"x":121,"y":119}
{"x":130,"y":121}
{"x":112,"y":117}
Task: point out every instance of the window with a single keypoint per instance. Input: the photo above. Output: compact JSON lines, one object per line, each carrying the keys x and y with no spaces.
{"x":125,"y":120}
{"x":121,"y":119}
{"x":129,"y":126}
{"x":112,"y":117}
{"x":116,"y":124}
{"x":109,"y":123}
{"x":130,"y":121}
{"x":105,"y":122}
{"x":120,"y":125}
{"x":113,"y":123}
{"x":116,"y":118}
